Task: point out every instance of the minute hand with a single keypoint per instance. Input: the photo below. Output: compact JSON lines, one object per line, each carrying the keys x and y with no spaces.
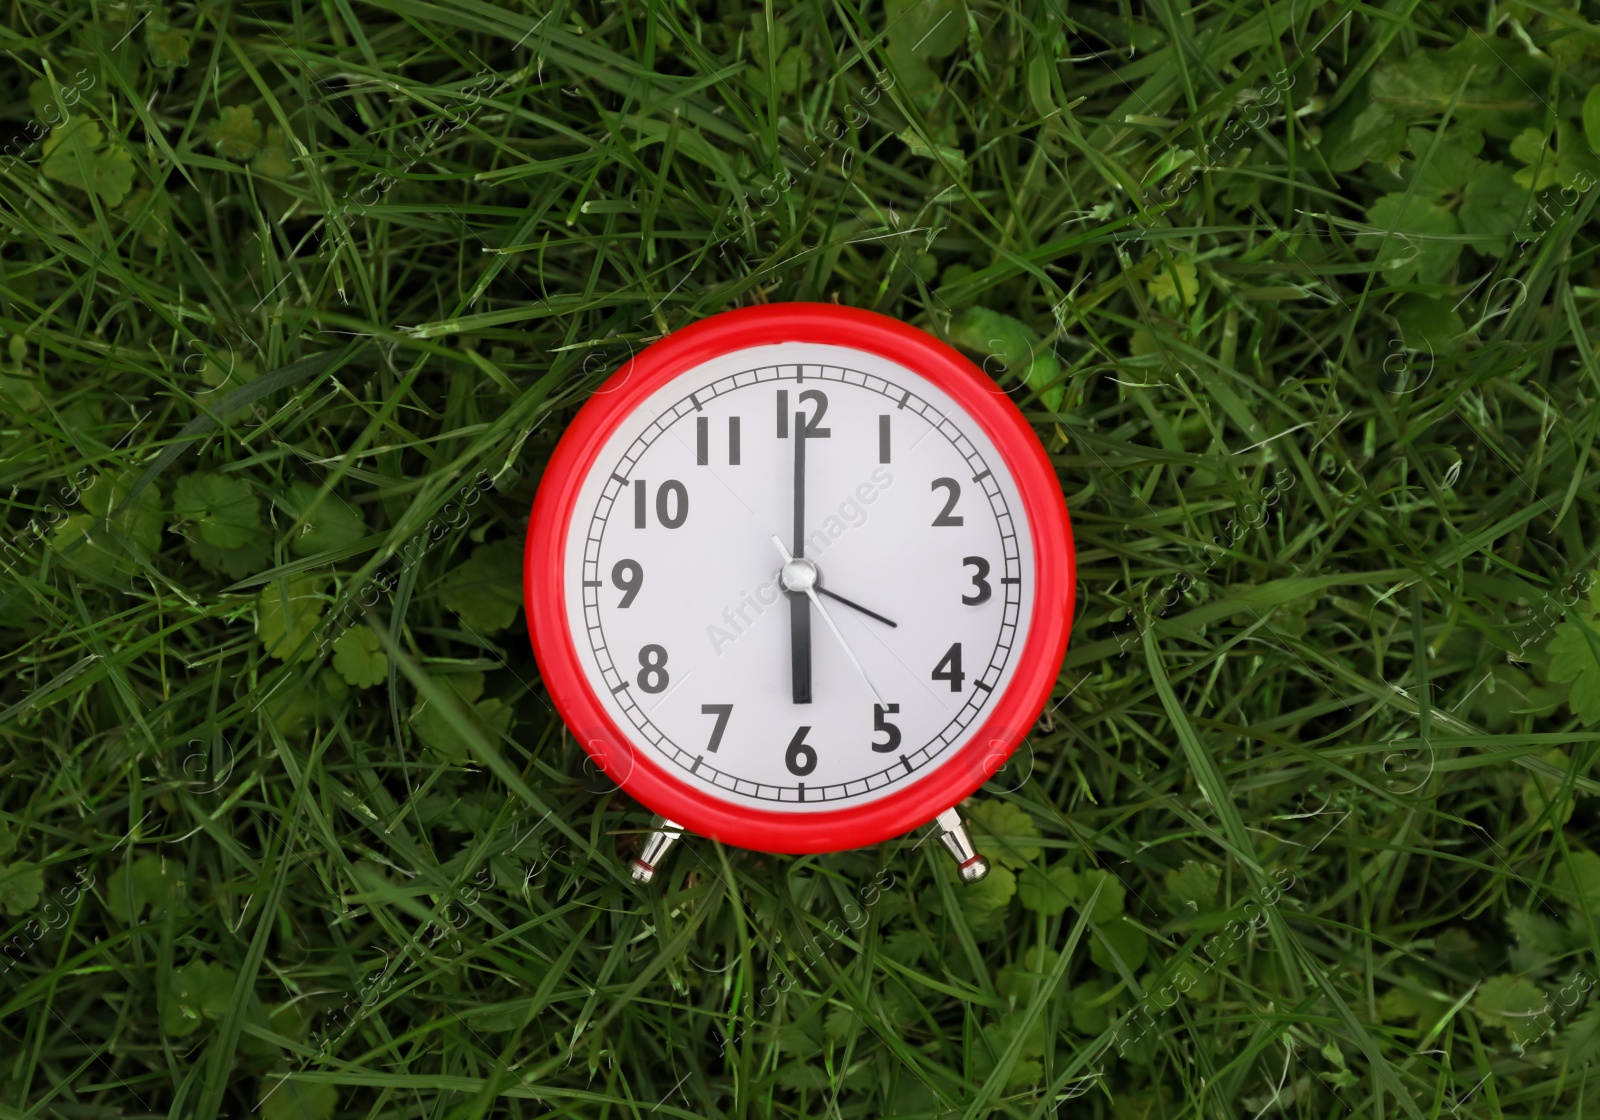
{"x":799,"y":609}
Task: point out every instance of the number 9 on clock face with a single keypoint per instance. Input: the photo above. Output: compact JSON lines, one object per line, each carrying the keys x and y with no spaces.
{"x":811,"y":589}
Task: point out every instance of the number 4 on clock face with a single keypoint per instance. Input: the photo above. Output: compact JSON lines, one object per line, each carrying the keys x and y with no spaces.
{"x":804,"y":577}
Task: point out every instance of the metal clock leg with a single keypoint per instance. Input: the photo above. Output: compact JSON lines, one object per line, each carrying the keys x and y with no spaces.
{"x":969,"y":864}
{"x":665,"y":833}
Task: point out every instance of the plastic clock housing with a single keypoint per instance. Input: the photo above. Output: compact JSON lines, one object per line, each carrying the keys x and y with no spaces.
{"x":732,"y":406}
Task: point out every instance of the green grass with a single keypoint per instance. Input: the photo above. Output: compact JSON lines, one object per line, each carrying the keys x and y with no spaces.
{"x":284,"y":810}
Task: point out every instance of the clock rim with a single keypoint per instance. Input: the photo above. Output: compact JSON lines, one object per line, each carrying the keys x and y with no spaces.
{"x":1000,"y":731}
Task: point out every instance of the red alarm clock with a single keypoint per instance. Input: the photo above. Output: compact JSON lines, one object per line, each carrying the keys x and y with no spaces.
{"x":800,"y":577}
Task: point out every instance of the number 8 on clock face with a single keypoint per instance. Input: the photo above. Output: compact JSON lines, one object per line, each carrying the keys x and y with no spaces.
{"x":799,"y":578}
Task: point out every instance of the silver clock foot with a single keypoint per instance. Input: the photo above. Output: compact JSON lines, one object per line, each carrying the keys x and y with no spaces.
{"x":969,"y":864}
{"x":664,"y":835}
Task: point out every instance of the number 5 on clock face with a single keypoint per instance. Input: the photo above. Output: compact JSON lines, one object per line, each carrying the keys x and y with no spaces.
{"x":797,"y":581}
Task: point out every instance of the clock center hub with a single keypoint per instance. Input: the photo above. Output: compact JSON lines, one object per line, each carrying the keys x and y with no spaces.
{"x":800,"y":575}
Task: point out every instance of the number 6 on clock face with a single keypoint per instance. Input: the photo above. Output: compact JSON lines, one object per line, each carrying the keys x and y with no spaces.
{"x":806,"y":570}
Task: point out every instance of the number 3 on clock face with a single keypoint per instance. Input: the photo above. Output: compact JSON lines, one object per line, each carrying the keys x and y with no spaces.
{"x":803,"y":574}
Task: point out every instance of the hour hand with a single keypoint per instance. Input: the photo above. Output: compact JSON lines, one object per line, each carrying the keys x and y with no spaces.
{"x":855,"y":606}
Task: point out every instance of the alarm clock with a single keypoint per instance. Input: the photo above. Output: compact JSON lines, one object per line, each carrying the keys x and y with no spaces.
{"x":799,"y":578}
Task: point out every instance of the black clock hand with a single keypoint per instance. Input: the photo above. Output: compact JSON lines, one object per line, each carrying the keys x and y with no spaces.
{"x":800,"y":577}
{"x":799,"y":605}
{"x":799,"y":486}
{"x":855,"y":606}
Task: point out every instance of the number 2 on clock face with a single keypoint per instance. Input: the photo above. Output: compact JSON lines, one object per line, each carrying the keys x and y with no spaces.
{"x":717,"y":508}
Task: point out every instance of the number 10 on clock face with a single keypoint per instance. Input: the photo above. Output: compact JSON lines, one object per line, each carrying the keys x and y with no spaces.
{"x":798,"y":576}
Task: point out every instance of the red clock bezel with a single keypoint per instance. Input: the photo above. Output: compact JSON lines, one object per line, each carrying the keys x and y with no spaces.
{"x":1014,"y":711}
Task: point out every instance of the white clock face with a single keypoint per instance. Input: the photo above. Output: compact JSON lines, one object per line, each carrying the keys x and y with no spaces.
{"x":700,"y":640}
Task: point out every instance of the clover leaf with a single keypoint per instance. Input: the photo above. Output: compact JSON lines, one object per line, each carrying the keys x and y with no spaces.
{"x":1514,"y":1003}
{"x":249,"y":558}
{"x":236,"y":134}
{"x":1010,"y":345}
{"x":273,"y":159}
{"x":1492,"y":205}
{"x":321,"y":698}
{"x":287,"y":611}
{"x":288,"y":1099}
{"x":1412,"y":1002}
{"x":1358,"y":134}
{"x":486,"y":591}
{"x":1175,"y":286}
{"x":1193,"y":887}
{"x":1017,"y":982}
{"x":328,"y":523}
{"x":168,"y":46}
{"x":147,"y":882}
{"x":115,"y":532}
{"x":73,"y":154}
{"x":224,"y":510}
{"x":1112,"y":893}
{"x":358,"y":657}
{"x":1428,"y":324}
{"x":21,"y":884}
{"x":1012,"y":829}
{"x":1532,"y":147}
{"x":1122,"y":938}
{"x":1048,"y":892}
{"x":921,"y":30}
{"x":1442,"y":165}
{"x":1577,"y":880}
{"x":1088,"y":1007}
{"x":1416,"y":237}
{"x":793,"y":69}
{"x":442,"y":727}
{"x":989,"y":895}
{"x":1575,"y":657}
{"x":1540,"y":933}
{"x":200,"y":990}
